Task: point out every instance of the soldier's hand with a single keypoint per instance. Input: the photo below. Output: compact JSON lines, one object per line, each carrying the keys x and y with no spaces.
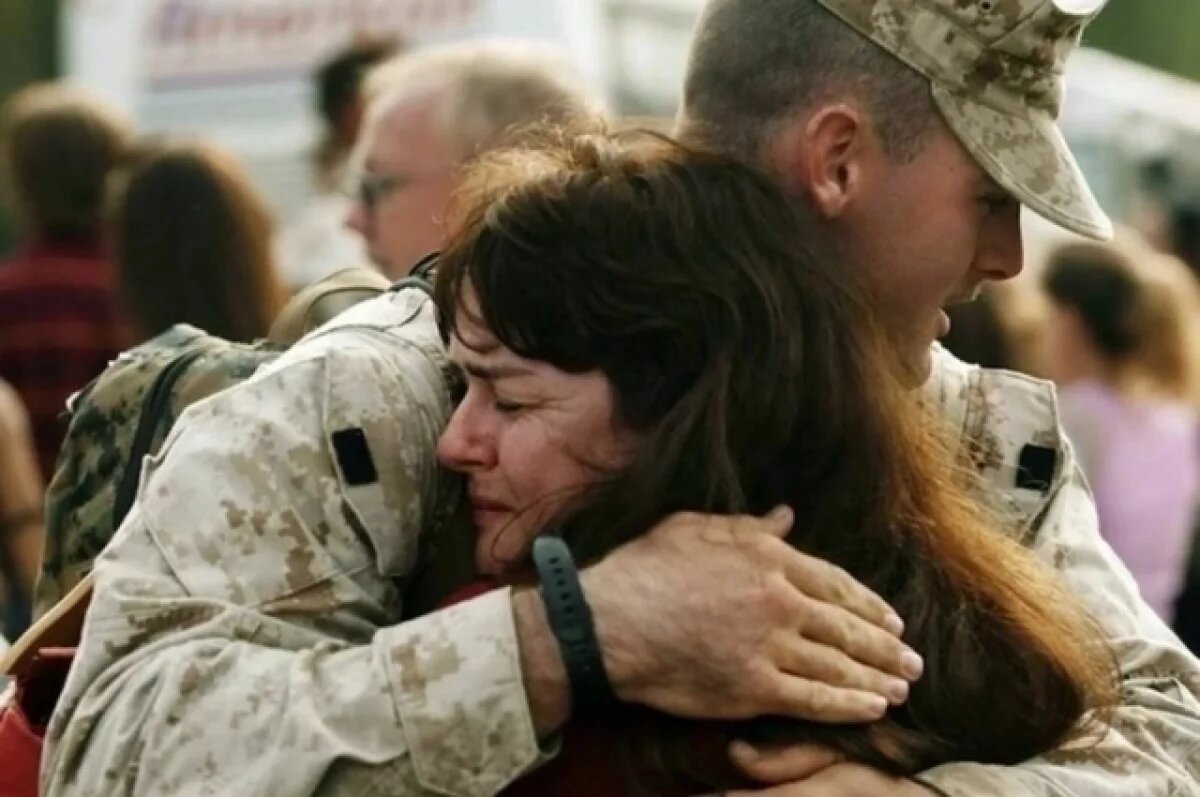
{"x":717,"y":617}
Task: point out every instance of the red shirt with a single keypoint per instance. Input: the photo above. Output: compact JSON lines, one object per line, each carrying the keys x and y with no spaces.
{"x":59,"y":328}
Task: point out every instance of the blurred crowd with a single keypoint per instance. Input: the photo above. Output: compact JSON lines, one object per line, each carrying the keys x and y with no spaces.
{"x":300,"y":477}
{"x":125,"y":236}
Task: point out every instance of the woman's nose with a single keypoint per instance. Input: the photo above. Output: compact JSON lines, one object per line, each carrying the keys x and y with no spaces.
{"x":464,"y":446}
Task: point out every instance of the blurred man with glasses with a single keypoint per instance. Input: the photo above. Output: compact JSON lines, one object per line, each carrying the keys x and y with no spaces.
{"x":428,"y":113}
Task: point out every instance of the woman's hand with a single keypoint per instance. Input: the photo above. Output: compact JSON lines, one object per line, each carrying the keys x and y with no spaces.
{"x":718,"y":618}
{"x":806,"y":770}
{"x":844,"y":780}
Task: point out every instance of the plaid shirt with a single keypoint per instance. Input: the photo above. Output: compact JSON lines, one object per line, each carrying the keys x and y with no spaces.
{"x":59,"y":328}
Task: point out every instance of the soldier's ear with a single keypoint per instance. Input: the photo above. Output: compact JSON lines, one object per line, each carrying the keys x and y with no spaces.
{"x":820,"y":155}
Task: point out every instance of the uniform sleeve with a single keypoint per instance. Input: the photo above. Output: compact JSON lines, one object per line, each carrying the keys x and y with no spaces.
{"x":244,"y":637}
{"x":1153,"y":748}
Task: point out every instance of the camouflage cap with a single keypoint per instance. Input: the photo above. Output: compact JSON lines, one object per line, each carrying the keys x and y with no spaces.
{"x":996,"y":67}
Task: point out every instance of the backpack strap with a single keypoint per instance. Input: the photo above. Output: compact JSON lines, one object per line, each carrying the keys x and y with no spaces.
{"x":154,"y":409}
{"x":61,"y":627}
{"x":421,"y":276}
{"x":324,"y":299}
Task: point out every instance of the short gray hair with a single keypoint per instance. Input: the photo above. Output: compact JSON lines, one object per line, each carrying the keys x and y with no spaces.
{"x":486,"y":90}
{"x":755,"y":63}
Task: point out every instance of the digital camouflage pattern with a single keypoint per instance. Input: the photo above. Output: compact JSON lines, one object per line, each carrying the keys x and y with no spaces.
{"x":1153,"y":748}
{"x":996,"y":67}
{"x":97,"y":466}
{"x":97,"y":450}
{"x":245,"y":636}
{"x":247,"y":632}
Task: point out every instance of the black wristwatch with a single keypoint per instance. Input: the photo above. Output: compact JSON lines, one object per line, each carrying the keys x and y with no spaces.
{"x":571,"y":621}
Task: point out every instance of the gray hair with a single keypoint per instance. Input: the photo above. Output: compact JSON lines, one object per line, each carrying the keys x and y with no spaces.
{"x":755,"y":63}
{"x":486,"y":90}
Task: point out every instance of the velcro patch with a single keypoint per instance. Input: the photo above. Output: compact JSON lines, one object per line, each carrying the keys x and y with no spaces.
{"x":1035,"y":468}
{"x":354,"y":457}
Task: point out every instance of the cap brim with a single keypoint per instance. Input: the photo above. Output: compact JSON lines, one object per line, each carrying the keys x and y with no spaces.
{"x":1028,"y":156}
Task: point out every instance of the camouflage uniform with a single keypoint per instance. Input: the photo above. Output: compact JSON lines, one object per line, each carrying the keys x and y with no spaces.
{"x":996,"y":74}
{"x":127,"y":411}
{"x":245,"y":634}
{"x":95,"y":460}
{"x":1010,"y":432}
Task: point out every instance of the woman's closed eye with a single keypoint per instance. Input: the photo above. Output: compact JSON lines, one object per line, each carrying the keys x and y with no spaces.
{"x":507,"y":406}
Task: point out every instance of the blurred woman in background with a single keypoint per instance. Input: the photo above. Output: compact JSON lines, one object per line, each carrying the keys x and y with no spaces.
{"x":1123,"y":343}
{"x":192,"y":241}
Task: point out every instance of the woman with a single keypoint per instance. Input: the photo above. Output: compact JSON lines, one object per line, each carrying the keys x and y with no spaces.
{"x":642,"y":332}
{"x":1123,"y":343}
{"x":192,"y":241}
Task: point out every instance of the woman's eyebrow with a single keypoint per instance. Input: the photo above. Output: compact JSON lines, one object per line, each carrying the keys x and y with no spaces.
{"x":494,"y":372}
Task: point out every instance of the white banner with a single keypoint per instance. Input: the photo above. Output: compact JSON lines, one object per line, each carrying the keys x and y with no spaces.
{"x":239,"y":71}
{"x":201,"y":43}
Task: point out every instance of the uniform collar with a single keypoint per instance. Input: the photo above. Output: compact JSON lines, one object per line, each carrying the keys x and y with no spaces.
{"x":1005,"y":426}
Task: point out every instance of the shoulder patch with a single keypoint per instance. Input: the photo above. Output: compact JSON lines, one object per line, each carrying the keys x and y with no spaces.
{"x":1036,"y":467}
{"x":354,"y":457}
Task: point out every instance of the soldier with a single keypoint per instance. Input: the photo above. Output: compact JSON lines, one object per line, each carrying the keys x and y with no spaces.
{"x":246,"y":637}
{"x":248,"y":631}
{"x":245,"y":625}
{"x":912,"y":131}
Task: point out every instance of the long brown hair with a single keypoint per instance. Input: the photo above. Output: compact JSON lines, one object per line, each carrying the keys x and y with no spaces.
{"x":756,"y":376}
{"x":192,"y":240}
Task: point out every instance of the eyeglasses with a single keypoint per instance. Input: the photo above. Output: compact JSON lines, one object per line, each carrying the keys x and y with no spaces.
{"x":371,"y":188}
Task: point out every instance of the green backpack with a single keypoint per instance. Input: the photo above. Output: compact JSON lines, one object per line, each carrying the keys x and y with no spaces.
{"x":124,"y":415}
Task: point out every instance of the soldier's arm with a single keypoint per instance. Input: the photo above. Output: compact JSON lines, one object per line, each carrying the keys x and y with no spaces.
{"x":1154,"y":745}
{"x":702,"y":616}
{"x":200,"y":696}
{"x":245,"y":637}
{"x":245,"y":633}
